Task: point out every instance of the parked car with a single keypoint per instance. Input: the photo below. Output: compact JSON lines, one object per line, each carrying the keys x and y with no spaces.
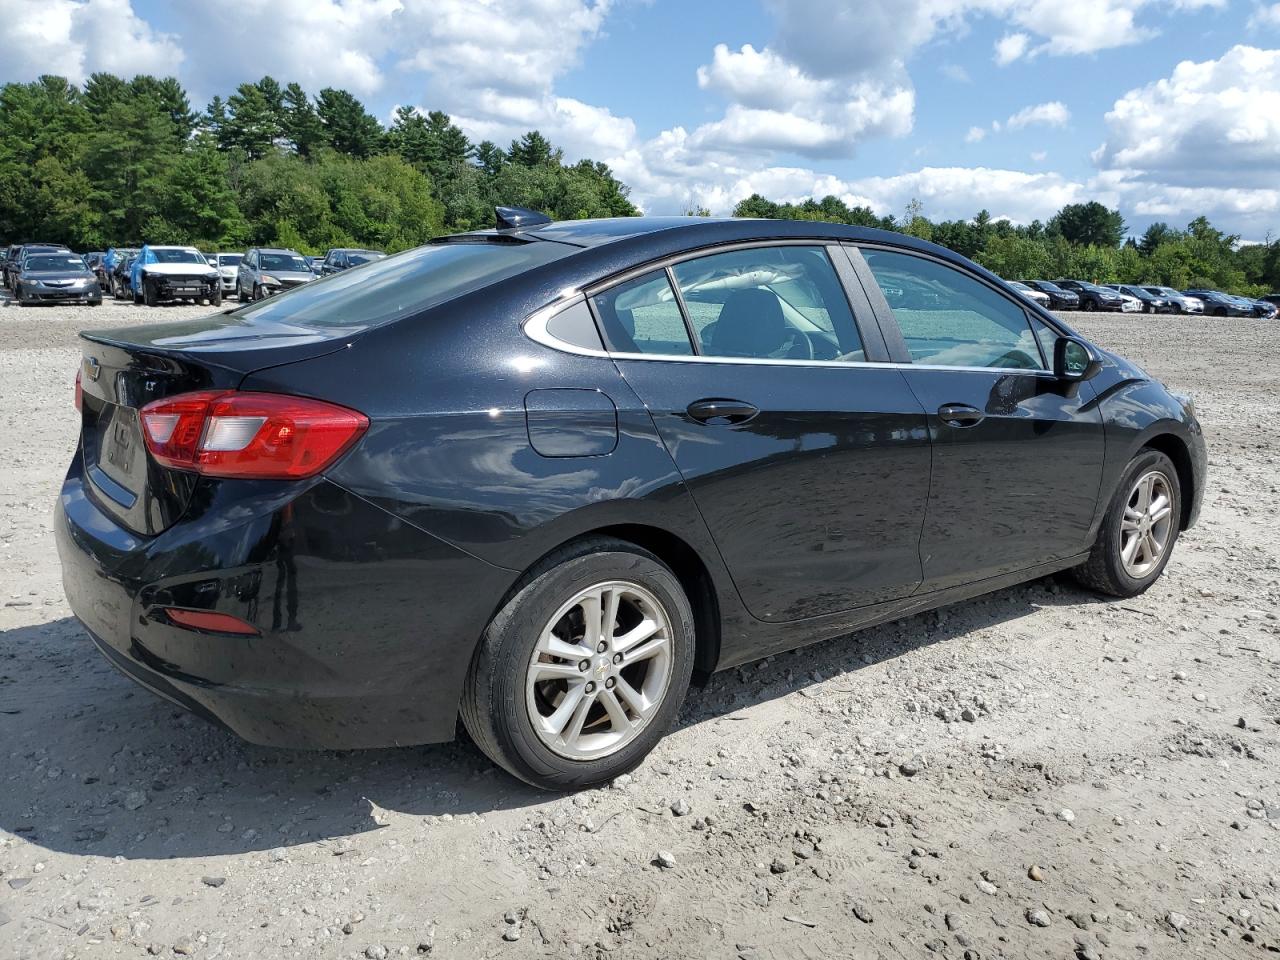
{"x":269,"y":270}
{"x":13,"y":265}
{"x":122,"y":277}
{"x":343,"y":258}
{"x":10,"y":256}
{"x":227,"y":264}
{"x":1180,"y":301}
{"x":93,"y":258}
{"x":109,"y":261}
{"x":1032,"y":294}
{"x":518,"y":477}
{"x":1264,"y":309}
{"x":173,"y":273}
{"x":1272,"y":298}
{"x":1096,"y":298}
{"x":1059,"y":299}
{"x":1219,"y":304}
{"x":1148,"y":302}
{"x":49,"y":277}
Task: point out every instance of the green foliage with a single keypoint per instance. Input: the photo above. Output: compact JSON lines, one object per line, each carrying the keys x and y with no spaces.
{"x":128,"y":161}
{"x":1088,"y":224}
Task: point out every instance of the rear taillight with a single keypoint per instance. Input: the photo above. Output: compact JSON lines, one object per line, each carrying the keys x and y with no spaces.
{"x":252,"y":436}
{"x":79,"y":391}
{"x":209,"y":620}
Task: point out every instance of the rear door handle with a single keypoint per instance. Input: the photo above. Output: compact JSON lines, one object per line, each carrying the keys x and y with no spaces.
{"x":960,"y":415}
{"x":726,"y":411}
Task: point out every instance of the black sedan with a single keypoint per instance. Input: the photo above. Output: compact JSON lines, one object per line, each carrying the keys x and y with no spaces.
{"x":1094,"y":297}
{"x":1059,"y":299}
{"x":56,"y":278}
{"x":1220,"y":304}
{"x":541,"y":476}
{"x":1151,"y":302}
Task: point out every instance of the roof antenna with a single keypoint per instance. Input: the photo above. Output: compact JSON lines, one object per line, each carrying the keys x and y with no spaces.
{"x":515,"y":218}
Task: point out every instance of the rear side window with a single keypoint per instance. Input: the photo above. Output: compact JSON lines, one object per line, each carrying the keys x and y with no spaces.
{"x":780,"y":303}
{"x":402,"y":285}
{"x":643,"y":316}
{"x":951,"y":319}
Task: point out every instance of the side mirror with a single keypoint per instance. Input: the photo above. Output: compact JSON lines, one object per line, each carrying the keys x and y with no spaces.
{"x":1073,"y":361}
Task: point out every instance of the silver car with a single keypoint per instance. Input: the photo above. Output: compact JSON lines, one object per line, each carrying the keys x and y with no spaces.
{"x":269,"y":270}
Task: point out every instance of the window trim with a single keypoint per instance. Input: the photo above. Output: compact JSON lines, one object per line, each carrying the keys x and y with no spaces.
{"x":890,"y":321}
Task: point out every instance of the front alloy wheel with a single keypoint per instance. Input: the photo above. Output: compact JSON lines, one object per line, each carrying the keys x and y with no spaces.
{"x":600,"y":669}
{"x":1147,"y":523}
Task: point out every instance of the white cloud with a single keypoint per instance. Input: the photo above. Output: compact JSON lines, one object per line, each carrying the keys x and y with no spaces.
{"x":975,"y":134}
{"x":1051,"y":114}
{"x":955,"y":73}
{"x":66,"y":37}
{"x":1213,"y":123}
{"x":1265,"y":17}
{"x":1011,"y":47}
{"x":1039,"y":156}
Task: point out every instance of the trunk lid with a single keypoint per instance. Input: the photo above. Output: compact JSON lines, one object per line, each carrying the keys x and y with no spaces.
{"x":124,"y":370}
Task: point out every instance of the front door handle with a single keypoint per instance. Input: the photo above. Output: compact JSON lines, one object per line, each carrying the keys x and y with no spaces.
{"x":960,"y":415}
{"x":724,"y":411}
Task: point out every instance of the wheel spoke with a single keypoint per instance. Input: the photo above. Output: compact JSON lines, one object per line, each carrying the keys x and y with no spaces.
{"x":555,"y":671}
{"x":609,"y":616}
{"x":574,"y":729}
{"x":642,"y":631}
{"x":1130,"y":548}
{"x":591,"y":619}
{"x":1160,"y":509}
{"x":636,"y":700}
{"x":617,"y":716}
{"x":573,"y":698}
{"x":1153,"y":548}
{"x":1144,"y":493}
{"x":646,"y":650}
{"x":553,"y":645}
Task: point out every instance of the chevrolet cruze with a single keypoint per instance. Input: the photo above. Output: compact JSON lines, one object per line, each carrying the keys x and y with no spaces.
{"x":541,"y":477}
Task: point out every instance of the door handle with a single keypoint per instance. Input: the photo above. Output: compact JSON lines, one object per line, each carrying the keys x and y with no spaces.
{"x":728,"y":411}
{"x":960,"y":415}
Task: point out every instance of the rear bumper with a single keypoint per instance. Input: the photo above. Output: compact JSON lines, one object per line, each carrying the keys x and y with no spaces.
{"x":364,"y":641}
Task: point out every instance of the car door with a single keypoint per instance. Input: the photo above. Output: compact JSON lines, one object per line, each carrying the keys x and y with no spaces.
{"x":1017,"y":455}
{"x":807,"y":455}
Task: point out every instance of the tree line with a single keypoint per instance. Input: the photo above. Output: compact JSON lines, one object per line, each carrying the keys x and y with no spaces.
{"x":1084,"y":241}
{"x":121,"y":162}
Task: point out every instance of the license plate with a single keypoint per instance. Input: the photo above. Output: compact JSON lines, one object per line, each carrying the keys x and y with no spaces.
{"x":120,"y":447}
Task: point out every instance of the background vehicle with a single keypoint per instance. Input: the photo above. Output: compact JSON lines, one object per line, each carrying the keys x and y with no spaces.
{"x":343,"y":258}
{"x":1264,"y":309}
{"x":227,"y":264}
{"x":10,"y":256}
{"x":1094,"y":297}
{"x":109,"y":261}
{"x":1180,"y":301}
{"x":48,"y":277}
{"x":268,"y":270}
{"x":17,"y":255}
{"x":539,"y":476}
{"x":1150,"y":302}
{"x":1059,"y":299}
{"x":173,"y":273}
{"x":122,"y":276}
{"x":1271,"y":298}
{"x":1219,"y":304}
{"x":1032,"y":294}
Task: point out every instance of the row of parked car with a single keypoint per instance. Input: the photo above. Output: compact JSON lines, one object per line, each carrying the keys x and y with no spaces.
{"x":1139,"y":298}
{"x":156,"y":273}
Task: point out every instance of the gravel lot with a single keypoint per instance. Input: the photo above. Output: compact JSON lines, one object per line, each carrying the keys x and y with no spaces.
{"x":1037,"y":773}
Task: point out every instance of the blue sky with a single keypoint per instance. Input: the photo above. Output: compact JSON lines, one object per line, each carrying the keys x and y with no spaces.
{"x":1165,"y":108}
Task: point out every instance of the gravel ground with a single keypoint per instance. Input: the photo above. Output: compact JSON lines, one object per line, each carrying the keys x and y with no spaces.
{"x":1036,"y":773}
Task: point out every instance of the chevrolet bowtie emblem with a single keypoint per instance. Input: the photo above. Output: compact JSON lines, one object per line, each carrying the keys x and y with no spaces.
{"x":91,"y":367}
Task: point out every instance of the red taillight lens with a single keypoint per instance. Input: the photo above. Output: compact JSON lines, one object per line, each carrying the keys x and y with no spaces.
{"x":79,"y":391}
{"x":258,"y":436}
{"x":209,"y":620}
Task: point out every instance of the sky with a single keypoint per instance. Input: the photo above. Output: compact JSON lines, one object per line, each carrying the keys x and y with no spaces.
{"x":1167,"y":109}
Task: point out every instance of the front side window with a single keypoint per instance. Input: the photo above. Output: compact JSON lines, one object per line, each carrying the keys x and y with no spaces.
{"x":951,"y":319}
{"x":643,"y":316}
{"x":780,"y":303}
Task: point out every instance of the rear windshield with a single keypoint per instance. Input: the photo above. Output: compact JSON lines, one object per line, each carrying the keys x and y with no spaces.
{"x":230,"y":259}
{"x":403,"y":284}
{"x":364,"y":257}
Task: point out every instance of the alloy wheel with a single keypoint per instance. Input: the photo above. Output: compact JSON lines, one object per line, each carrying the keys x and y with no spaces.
{"x":1147,"y":524}
{"x":600,"y":670}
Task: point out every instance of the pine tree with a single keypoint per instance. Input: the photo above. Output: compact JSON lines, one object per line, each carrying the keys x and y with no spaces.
{"x":301,"y":126}
{"x":349,"y":128}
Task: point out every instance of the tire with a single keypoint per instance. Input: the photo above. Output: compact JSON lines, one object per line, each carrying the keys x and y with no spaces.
{"x":257,"y":293}
{"x":1220,"y":312}
{"x":216,"y":299}
{"x":96,"y":303}
{"x":148,"y":293}
{"x":499,"y":695}
{"x":1086,"y":306}
{"x":240,"y":297}
{"x":1105,"y":570}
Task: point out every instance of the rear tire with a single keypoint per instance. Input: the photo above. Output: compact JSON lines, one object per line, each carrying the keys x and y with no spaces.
{"x":1128,"y":518}
{"x":502,"y":695}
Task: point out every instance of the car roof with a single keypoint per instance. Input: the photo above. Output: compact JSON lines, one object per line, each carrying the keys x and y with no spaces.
{"x":277,"y":250}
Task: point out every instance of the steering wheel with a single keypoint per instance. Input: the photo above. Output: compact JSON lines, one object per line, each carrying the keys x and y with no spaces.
{"x":798,"y":338}
{"x":1015,"y":360}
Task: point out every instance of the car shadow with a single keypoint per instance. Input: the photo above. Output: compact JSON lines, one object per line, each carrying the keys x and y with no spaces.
{"x":93,"y":764}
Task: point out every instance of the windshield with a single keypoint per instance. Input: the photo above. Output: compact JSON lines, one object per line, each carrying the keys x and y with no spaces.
{"x":403,"y":284}
{"x":62,"y":262}
{"x":284,"y":261}
{"x":230,"y":259}
{"x":179,"y":256}
{"x":1047,"y":285}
